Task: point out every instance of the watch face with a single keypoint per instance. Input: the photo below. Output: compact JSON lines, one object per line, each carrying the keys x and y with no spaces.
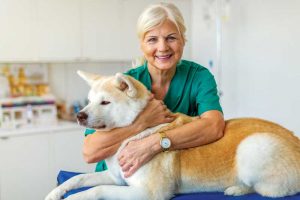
{"x":165,"y":143}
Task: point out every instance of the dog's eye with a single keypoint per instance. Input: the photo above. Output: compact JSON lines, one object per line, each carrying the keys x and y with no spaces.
{"x":104,"y":102}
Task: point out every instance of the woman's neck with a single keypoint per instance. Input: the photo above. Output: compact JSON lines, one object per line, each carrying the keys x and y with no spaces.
{"x":161,"y":77}
{"x":161,"y":80}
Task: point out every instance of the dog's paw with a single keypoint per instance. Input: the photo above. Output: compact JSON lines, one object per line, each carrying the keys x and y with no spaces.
{"x":237,"y":190}
{"x":56,"y":194}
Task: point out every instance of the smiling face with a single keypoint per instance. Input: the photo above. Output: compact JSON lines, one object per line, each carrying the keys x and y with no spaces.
{"x":163,"y":46}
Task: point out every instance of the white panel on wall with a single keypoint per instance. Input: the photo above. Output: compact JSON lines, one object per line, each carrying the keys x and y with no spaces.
{"x":131,"y":10}
{"x":18,"y":34}
{"x":185,"y":8}
{"x":260,"y":65}
{"x":59,"y":30}
{"x":101,"y":33}
{"x":267,"y":63}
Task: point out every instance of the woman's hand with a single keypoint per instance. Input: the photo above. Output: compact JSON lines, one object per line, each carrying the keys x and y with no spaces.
{"x":137,"y":153}
{"x":155,"y":113}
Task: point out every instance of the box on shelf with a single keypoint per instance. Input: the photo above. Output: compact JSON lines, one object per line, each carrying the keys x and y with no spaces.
{"x":29,"y":111}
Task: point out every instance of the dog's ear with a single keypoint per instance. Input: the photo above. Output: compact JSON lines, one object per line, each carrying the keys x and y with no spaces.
{"x":88,"y":77}
{"x":124,"y":83}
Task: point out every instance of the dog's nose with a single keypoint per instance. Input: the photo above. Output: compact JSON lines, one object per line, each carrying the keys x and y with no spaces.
{"x":82,"y":116}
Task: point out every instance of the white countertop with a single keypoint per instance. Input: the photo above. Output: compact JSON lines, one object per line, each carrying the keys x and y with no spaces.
{"x":59,"y":126}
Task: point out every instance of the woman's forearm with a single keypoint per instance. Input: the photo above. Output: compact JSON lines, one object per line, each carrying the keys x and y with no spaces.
{"x":206,"y":129}
{"x":199,"y":132}
{"x":102,"y":144}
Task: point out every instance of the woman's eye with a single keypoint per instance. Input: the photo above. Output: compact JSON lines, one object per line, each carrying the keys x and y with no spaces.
{"x":171,"y":38}
{"x":104,"y":102}
{"x":151,"y":40}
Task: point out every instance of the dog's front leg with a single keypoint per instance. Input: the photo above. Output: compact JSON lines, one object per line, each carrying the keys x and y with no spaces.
{"x":112,"y":192}
{"x":82,"y":180}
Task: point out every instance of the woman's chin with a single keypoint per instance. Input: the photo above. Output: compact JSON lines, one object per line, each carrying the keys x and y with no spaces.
{"x":165,"y":64}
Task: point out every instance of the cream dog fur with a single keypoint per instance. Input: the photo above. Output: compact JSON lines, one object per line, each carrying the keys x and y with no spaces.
{"x":253,"y":156}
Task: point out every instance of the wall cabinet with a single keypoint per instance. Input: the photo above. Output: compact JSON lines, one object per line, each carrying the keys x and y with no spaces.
{"x":63,"y":30}
{"x":58,"y":29}
{"x":30,"y":164}
{"x":77,"y":30}
{"x":18,"y":37}
{"x":101,"y":33}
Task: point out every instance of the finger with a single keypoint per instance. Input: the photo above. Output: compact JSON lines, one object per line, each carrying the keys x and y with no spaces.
{"x":168,"y":113}
{"x":165,"y":108}
{"x":172,"y":114}
{"x":169,"y":119}
{"x":151,"y":96}
{"x":126,"y":167}
{"x":120,"y":156}
{"x":159,"y":103}
{"x":131,"y":171}
{"x":122,"y":162}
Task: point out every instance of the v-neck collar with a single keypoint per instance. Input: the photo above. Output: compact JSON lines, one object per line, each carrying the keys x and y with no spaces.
{"x":174,"y":93}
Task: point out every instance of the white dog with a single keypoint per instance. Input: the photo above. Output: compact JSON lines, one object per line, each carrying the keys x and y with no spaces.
{"x":253,"y":156}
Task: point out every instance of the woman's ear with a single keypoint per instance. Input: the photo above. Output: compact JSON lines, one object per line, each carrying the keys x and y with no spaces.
{"x":124,"y":83}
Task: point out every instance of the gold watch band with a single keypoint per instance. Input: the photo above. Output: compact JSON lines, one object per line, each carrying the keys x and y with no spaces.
{"x":162,"y":135}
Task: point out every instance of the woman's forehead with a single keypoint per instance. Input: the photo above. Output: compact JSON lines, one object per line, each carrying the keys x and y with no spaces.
{"x":166,"y":28}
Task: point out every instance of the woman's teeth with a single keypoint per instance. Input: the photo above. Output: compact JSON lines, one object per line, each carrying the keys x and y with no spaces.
{"x":164,"y":57}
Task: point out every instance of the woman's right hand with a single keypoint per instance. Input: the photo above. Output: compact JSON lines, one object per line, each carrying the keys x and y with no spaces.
{"x":155,"y":113}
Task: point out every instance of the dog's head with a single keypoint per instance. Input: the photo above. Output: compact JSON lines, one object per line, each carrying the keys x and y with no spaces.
{"x":114,"y":101}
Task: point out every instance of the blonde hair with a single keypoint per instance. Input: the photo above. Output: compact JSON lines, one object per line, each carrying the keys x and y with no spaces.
{"x":156,"y":14}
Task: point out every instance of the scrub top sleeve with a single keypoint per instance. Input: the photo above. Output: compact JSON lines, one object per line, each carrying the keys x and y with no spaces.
{"x":89,"y":131}
{"x":207,"y":97}
{"x":101,"y":165}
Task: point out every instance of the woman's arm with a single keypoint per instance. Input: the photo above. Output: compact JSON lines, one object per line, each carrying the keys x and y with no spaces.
{"x":102,"y":144}
{"x":208,"y":128}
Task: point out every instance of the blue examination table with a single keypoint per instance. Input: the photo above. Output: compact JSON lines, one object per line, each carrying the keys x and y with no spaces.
{"x":64,"y":175}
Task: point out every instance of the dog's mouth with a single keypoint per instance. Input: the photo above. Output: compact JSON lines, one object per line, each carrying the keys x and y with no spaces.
{"x":85,"y":124}
{"x":99,"y":127}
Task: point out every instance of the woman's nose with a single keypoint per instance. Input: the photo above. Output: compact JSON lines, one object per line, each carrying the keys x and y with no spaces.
{"x":163,"y":45}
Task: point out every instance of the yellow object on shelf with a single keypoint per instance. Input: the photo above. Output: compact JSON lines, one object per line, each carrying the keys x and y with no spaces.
{"x":22,"y":77}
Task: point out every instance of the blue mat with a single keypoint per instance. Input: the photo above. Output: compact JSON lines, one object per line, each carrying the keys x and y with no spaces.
{"x":64,"y":175}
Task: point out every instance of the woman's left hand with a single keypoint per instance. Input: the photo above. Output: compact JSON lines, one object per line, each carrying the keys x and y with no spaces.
{"x":134,"y":155}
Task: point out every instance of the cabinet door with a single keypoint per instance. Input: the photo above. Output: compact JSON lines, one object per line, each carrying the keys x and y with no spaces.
{"x":101,"y":33}
{"x":67,"y":152}
{"x":18,"y":30}
{"x":24,"y":169}
{"x":131,"y":10}
{"x":30,"y":164}
{"x":58,"y":29}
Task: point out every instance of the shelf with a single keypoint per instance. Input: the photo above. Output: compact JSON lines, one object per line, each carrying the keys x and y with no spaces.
{"x":24,"y":131}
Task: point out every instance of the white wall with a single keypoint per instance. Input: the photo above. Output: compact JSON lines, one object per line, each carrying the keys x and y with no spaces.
{"x":260,"y":64}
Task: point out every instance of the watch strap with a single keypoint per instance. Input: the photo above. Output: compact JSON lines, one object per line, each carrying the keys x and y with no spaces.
{"x":162,"y":136}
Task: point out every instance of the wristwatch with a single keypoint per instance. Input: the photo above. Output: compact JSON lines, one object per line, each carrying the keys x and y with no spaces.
{"x":165,"y":142}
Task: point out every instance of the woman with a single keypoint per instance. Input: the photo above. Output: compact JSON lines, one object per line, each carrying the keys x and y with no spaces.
{"x":177,"y":85}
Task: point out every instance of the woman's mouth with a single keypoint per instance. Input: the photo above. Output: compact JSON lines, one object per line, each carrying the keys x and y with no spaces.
{"x":164,"y":57}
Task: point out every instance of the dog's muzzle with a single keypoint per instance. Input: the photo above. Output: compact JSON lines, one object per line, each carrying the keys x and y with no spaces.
{"x":82,"y":118}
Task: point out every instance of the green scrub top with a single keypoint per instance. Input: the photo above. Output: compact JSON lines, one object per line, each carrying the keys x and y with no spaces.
{"x":192,"y":91}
